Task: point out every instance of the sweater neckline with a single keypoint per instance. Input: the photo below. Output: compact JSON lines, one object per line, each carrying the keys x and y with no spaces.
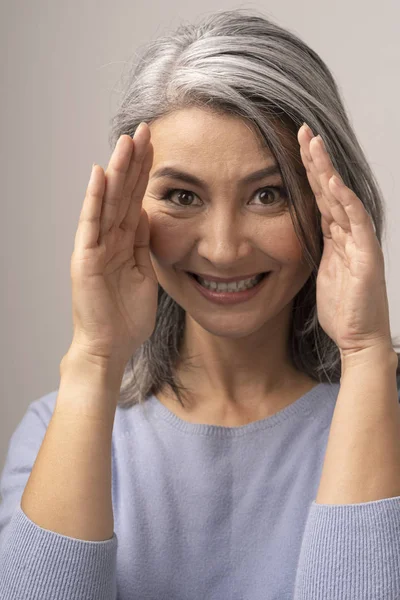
{"x":303,"y":405}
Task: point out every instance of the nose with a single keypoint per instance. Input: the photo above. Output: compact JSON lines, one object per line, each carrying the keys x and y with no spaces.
{"x":224,"y":241}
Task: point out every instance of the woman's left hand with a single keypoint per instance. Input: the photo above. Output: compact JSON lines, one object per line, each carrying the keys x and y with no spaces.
{"x":352,"y":303}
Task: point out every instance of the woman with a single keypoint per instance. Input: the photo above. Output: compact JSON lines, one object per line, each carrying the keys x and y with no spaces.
{"x":209,"y":439}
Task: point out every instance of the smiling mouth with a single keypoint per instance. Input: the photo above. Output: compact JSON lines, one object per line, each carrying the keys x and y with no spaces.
{"x":260,"y":276}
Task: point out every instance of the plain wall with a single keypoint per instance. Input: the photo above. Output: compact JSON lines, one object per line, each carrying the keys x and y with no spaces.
{"x":60,"y":68}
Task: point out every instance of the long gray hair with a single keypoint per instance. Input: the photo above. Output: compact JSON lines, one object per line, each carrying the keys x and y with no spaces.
{"x":240,"y":63}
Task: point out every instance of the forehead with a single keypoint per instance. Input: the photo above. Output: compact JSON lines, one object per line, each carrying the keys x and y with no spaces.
{"x":195,"y":133}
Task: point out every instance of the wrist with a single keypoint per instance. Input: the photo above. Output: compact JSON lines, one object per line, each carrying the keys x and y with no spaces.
{"x":79,"y":360}
{"x":88,"y":385}
{"x":373,"y":357}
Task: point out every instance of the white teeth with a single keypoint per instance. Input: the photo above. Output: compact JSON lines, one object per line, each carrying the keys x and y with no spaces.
{"x":235,"y":286}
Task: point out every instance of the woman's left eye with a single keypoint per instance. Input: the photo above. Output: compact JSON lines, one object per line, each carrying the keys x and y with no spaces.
{"x":279,"y":195}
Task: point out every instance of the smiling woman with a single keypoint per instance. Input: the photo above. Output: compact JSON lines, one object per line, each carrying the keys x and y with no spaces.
{"x":217,"y":257}
{"x":229,"y":196}
{"x":223,"y":226}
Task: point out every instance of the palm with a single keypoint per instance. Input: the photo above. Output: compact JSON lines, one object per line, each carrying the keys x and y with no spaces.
{"x":351,"y":289}
{"x":114,"y":284}
{"x":120,"y":294}
{"x":334,"y":282}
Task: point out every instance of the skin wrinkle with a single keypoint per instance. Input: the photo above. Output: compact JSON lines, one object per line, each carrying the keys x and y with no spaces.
{"x":242,"y":370}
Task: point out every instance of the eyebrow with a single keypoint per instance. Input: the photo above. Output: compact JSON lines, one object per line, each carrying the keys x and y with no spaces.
{"x":192,"y":179}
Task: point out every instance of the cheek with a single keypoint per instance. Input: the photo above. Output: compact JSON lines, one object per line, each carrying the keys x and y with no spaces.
{"x":278,"y":239}
{"x":168,"y":238}
{"x":287,"y":249}
{"x":296,"y":271}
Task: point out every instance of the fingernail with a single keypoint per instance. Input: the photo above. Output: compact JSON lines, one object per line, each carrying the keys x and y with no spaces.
{"x":308,"y":129}
{"x":92,"y":171}
{"x":140,"y":127}
{"x":338,"y":181}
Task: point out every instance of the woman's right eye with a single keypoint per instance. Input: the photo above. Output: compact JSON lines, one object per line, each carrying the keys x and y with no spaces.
{"x":167,"y":194}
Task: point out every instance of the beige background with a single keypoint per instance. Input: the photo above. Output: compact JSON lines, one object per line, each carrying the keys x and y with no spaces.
{"x":60,"y":65}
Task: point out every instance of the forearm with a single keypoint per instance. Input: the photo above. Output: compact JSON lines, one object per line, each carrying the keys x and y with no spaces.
{"x":362,"y":460}
{"x":69,"y":488}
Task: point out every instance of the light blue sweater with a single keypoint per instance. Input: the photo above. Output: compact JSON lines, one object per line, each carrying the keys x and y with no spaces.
{"x":204,"y":512}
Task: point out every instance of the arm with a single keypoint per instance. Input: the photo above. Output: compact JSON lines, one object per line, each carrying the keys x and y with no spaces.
{"x":351,"y":542}
{"x":63,"y":546}
{"x":362,"y":460}
{"x":69,"y":488}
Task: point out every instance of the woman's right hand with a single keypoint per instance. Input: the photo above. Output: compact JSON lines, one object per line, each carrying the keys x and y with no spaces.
{"x":114,"y":285}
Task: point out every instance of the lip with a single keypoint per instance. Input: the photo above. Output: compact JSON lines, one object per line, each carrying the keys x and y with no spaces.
{"x":228,"y":280}
{"x":229,"y":298}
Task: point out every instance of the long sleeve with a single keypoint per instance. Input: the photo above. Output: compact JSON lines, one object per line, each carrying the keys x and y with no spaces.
{"x":35,"y":562}
{"x":350,"y":552}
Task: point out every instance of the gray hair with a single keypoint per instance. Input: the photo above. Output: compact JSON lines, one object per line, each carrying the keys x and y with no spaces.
{"x":241,"y":63}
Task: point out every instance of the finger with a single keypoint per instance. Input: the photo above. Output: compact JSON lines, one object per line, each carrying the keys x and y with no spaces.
{"x":142,"y":246}
{"x":115,"y":180}
{"x":132,"y":217}
{"x":361,"y":223}
{"x":304,"y":135}
{"x":87,"y":233}
{"x":141,"y":139}
{"x":313,"y":181}
{"x":304,"y":139}
{"x":324,"y":170}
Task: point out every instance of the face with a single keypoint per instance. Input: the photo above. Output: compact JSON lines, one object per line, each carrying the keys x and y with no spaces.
{"x":224,"y":227}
